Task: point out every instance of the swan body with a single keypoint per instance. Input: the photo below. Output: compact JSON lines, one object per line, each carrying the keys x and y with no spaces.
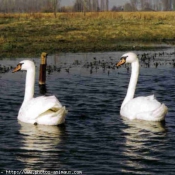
{"x":44,"y":110}
{"x":142,"y":108}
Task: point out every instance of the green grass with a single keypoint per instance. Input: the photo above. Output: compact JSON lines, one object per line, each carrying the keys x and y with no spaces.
{"x":31,"y":34}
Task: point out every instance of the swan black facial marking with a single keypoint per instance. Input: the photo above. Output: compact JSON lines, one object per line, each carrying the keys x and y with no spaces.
{"x":122,"y":61}
{"x":20,"y":64}
{"x":123,"y":57}
{"x":18,"y":67}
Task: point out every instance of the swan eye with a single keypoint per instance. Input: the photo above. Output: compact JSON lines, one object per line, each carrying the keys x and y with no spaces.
{"x":18,"y":67}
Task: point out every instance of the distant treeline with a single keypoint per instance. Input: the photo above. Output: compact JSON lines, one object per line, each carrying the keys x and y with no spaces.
{"x":13,"y":6}
{"x":10,"y":6}
{"x":150,"y":5}
{"x":7,"y":6}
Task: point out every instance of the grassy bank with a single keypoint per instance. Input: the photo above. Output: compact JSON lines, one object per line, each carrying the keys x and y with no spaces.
{"x":30,"y":34}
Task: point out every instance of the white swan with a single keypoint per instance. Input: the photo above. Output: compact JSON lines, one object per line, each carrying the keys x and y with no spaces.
{"x":144,"y":108}
{"x":44,"y":110}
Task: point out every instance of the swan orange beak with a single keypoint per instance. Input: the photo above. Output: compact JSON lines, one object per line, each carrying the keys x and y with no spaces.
{"x":122,"y":61}
{"x":18,"y":68}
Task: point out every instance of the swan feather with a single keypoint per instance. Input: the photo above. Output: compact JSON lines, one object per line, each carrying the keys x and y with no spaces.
{"x":41,"y":110}
{"x":46,"y":110}
{"x":144,"y":108}
{"x":36,"y":106}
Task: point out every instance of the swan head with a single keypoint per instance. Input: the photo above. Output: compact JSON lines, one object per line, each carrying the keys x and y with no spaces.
{"x":24,"y":65}
{"x":129,"y":57}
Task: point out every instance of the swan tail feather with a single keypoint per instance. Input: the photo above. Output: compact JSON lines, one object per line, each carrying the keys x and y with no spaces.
{"x":62,"y":113}
{"x":54,"y":116}
{"x":160,"y":112}
{"x":156,"y":115}
{"x":151,"y":97}
{"x":62,"y":110}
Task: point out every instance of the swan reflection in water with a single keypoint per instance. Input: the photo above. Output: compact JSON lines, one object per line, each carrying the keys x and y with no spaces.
{"x":151,"y":126}
{"x":40,"y":145}
{"x":144,"y":141}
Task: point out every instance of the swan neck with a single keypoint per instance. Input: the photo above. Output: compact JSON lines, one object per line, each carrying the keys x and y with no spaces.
{"x":132,"y":82}
{"x":29,"y":86}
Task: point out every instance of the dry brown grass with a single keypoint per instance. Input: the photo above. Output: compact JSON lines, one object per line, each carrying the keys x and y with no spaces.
{"x":79,"y":32}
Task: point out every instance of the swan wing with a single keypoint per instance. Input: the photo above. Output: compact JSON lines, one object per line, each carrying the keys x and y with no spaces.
{"x":143,"y":108}
{"x":36,"y":106}
{"x":156,"y":115}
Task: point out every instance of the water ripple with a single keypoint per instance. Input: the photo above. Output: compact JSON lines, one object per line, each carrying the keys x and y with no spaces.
{"x":94,"y":139}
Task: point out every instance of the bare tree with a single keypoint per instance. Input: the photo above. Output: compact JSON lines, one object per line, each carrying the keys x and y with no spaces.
{"x":142,"y":2}
{"x":166,"y":4}
{"x":95,"y":5}
{"x":107,"y":5}
{"x":147,"y":4}
{"x":173,"y":4}
{"x":102,"y":4}
{"x":128,"y":7}
{"x":78,"y":6}
{"x":84,"y":7}
{"x":54,"y":4}
{"x":7,"y":6}
{"x":134,"y":4}
{"x":88,"y":5}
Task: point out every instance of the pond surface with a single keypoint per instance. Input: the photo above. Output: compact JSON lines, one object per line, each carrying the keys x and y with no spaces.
{"x":95,"y":138}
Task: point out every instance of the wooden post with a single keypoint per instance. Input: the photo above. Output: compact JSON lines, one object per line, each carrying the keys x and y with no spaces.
{"x":43,"y":64}
{"x":43,"y":89}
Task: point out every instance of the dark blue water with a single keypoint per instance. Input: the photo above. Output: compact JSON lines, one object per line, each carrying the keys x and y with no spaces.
{"x":95,"y":139}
